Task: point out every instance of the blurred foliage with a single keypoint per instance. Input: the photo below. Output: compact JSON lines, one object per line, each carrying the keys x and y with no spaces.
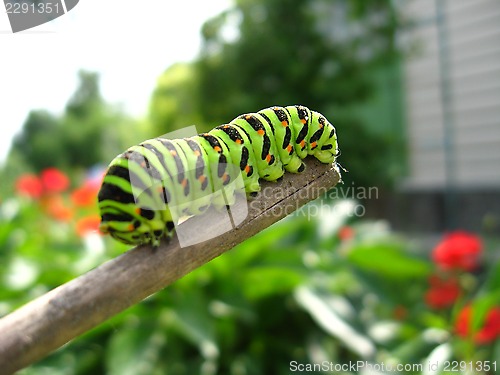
{"x":39,"y":135}
{"x":173,"y":101}
{"x":309,"y":52}
{"x":322,"y":54}
{"x":318,"y":286}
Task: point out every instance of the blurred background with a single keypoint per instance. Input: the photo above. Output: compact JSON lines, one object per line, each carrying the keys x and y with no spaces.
{"x":396,"y":266}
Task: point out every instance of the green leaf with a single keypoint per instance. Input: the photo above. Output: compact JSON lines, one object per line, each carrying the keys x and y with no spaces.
{"x":411,"y":351}
{"x":480,"y":308}
{"x":135,"y":350}
{"x":260,"y":282}
{"x":388,"y":260}
{"x":191,"y":319}
{"x":492,"y":283}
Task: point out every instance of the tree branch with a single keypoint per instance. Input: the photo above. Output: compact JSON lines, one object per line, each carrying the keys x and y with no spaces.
{"x":43,"y":325}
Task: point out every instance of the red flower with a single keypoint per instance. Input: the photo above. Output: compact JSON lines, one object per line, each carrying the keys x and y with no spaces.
{"x":54,"y":206}
{"x":458,"y":250}
{"x":54,"y":180}
{"x":29,"y":185}
{"x":345,"y":233}
{"x":85,"y":196}
{"x":489,"y":331}
{"x":442,"y":292}
{"x":88,"y":224}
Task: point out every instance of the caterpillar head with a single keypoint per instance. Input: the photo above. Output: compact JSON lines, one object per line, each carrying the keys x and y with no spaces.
{"x":327,"y":148}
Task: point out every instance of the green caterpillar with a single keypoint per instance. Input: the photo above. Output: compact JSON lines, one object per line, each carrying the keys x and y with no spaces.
{"x":150,"y":185}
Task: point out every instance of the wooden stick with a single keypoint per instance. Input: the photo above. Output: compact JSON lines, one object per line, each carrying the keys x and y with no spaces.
{"x":45,"y":324}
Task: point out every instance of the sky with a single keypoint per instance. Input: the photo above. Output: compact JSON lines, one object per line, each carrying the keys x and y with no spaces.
{"x":128,"y":43}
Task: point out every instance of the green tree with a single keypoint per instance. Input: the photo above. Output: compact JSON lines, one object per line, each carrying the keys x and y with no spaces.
{"x":173,"y":103}
{"x":318,"y":53}
{"x":87,"y":98}
{"x":90,"y":131}
{"x":39,"y":142}
{"x":83,"y":122}
{"x":71,"y":140}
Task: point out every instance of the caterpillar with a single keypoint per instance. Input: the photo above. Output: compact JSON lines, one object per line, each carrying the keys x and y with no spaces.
{"x":150,"y":185}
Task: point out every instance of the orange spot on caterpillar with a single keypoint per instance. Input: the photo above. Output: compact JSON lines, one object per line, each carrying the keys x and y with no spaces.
{"x":314,"y":144}
{"x":302,"y":143}
{"x":130,"y":227}
{"x":217,"y":148}
{"x":248,"y":117}
{"x":197,"y":153}
{"x":247,"y":169}
{"x":261,"y":132}
{"x":289,"y":148}
{"x":202,"y":178}
{"x":138,"y":210}
{"x":173,"y":153}
{"x":238,"y":141}
{"x":143,"y":164}
{"x":303,"y":120}
{"x":184,"y":182}
{"x":268,"y":158}
{"x":225,"y":178}
{"x":284,"y":123}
